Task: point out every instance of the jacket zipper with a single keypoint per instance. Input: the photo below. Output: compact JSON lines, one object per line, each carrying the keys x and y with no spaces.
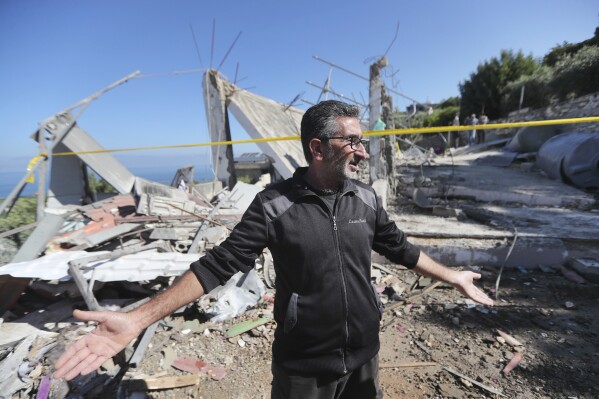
{"x":344,"y":287}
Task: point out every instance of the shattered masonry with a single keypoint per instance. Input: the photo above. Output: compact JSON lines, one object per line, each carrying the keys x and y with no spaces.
{"x":464,"y":208}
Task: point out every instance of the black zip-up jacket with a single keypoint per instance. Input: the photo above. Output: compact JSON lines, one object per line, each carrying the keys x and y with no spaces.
{"x":326,"y":309}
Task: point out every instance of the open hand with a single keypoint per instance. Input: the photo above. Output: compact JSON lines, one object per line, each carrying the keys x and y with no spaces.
{"x":464,"y":282}
{"x":114,"y":332}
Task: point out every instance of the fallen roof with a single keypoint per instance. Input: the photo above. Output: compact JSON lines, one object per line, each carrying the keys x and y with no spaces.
{"x":261,"y":117}
{"x":135,"y":267}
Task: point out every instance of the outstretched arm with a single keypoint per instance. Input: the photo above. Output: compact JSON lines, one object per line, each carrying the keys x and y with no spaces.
{"x":463,"y":281}
{"x":115,"y":330}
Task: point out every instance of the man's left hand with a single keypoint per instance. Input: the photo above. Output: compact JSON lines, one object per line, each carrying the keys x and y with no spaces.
{"x":464,"y":282}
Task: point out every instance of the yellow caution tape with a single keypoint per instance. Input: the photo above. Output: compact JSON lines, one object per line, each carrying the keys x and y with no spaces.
{"x":435,"y":129}
{"x":30,"y":166}
{"x":443,"y":129}
{"x":162,"y":147}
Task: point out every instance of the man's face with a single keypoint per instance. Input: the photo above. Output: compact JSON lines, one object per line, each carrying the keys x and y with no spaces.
{"x":340,"y":158}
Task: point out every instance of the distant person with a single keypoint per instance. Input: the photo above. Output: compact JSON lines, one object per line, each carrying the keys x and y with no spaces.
{"x":484,"y":119}
{"x":321,"y":226}
{"x":472,"y":122}
{"x":454,"y":137}
{"x":465,"y":135}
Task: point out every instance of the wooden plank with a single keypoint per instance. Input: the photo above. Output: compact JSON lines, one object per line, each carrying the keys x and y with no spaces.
{"x":478,"y":384}
{"x":388,"y":365}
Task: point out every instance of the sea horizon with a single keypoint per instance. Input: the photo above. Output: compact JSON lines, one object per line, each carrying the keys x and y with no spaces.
{"x":158,"y":174}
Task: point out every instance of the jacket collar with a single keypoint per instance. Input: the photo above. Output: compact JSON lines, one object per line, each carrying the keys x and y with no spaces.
{"x":302,"y":188}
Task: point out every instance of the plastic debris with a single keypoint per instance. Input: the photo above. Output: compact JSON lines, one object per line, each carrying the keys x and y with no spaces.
{"x":44,"y":389}
{"x":240,"y":328}
{"x":233,"y":298}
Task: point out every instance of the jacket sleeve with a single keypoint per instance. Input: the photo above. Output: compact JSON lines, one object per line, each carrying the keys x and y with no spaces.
{"x":391,"y":242}
{"x":237,"y":253}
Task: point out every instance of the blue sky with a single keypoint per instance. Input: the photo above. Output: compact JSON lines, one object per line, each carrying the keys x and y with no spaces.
{"x":54,"y":53}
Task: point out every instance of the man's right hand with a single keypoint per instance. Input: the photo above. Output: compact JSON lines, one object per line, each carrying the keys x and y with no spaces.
{"x":114,"y":332}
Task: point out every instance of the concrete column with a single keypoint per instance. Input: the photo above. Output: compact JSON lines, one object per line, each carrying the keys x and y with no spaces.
{"x":218,"y":126}
{"x":377,"y":171}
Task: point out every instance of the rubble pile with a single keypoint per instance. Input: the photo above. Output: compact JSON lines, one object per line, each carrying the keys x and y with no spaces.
{"x":116,"y":251}
{"x":434,"y":342}
{"x":539,"y":340}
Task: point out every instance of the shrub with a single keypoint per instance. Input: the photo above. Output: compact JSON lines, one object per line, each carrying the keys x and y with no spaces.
{"x":99,"y":185}
{"x":537,"y":90}
{"x":22,"y":213}
{"x":576,"y":74}
{"x":441,"y":117}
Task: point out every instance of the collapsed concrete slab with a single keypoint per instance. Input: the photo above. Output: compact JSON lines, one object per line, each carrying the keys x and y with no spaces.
{"x":587,"y":268}
{"x":552,"y":220}
{"x":528,"y":252}
{"x":134,"y":267}
{"x":262,"y":118}
{"x":68,"y":176}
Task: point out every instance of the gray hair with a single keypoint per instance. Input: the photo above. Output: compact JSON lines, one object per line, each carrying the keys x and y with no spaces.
{"x":320,"y":122}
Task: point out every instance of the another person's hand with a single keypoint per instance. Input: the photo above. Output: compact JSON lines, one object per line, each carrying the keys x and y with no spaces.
{"x":464,"y":282}
{"x":114,"y":332}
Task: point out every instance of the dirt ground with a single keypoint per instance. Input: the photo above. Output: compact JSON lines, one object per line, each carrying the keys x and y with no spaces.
{"x":434,"y":343}
{"x":553,"y":318}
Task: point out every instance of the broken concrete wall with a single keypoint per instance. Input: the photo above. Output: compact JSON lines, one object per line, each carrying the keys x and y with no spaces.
{"x":269,"y":119}
{"x":215,"y":97}
{"x":209,"y":189}
{"x":262,"y":118}
{"x":67,"y":179}
{"x":528,"y":252}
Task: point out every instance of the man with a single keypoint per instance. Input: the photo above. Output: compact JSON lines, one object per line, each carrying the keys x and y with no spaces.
{"x":473,"y":122}
{"x":454,"y":137}
{"x":483,"y":120}
{"x":320,"y":226}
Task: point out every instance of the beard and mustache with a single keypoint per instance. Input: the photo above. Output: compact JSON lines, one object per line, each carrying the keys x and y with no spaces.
{"x":341,"y":163}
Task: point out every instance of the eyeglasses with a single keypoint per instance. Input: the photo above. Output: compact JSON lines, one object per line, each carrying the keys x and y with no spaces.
{"x":354,"y":141}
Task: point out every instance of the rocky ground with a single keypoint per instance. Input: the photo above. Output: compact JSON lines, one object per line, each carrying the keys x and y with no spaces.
{"x":540,"y":340}
{"x":426,"y":340}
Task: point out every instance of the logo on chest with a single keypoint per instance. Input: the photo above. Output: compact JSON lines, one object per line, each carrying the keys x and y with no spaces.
{"x":354,"y":221}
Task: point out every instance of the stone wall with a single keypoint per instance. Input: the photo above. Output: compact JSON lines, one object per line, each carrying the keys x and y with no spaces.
{"x":575,"y":108}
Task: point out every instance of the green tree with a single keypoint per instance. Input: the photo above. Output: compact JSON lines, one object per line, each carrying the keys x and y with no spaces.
{"x":484,"y":90}
{"x":99,"y":185}
{"x":22,"y":213}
